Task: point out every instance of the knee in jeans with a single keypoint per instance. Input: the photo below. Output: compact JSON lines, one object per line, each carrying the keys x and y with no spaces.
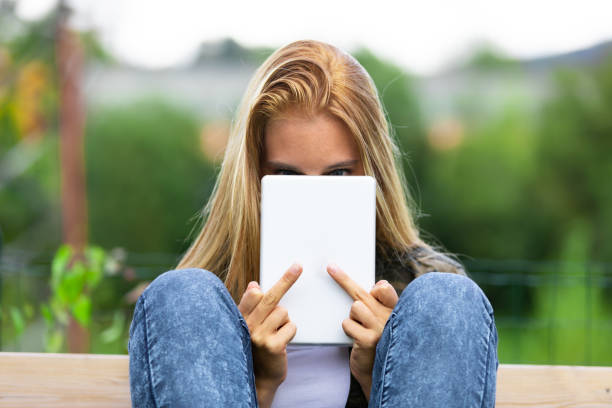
{"x":179,"y":279}
{"x":184,"y":282}
{"x":435,"y":292}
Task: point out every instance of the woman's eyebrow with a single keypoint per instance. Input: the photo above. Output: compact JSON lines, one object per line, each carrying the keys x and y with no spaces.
{"x":276,"y":164}
{"x":281,"y":165}
{"x":345,"y":163}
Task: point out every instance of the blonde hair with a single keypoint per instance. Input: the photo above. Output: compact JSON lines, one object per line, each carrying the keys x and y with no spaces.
{"x":314,"y":77}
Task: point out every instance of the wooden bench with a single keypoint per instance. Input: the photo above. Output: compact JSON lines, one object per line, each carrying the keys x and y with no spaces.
{"x":88,"y":380}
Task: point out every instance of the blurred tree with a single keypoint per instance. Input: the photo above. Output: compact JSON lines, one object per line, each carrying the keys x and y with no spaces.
{"x":29,"y":183}
{"x":146,"y":176}
{"x":477,"y":191}
{"x":573,"y":171}
{"x":575,"y":158}
{"x":396,"y":89}
{"x":226,"y":50}
{"x":488,"y":57}
{"x":573,"y":306}
{"x":28,"y":96}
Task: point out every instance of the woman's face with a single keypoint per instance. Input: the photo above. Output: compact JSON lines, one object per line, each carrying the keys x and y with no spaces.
{"x":322,"y":145}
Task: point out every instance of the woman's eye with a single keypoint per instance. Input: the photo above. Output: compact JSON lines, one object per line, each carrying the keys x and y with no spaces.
{"x":339,"y":172}
{"x":336,"y":172}
{"x":285,"y":172}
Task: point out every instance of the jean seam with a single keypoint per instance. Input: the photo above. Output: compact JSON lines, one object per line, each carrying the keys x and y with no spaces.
{"x":386,"y":364}
{"x":246,"y":363}
{"x":146,"y":340}
{"x":486,"y":377}
{"x":234,"y":309}
{"x":236,"y":312}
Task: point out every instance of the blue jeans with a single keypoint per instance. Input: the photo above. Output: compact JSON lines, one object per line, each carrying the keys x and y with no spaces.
{"x":189,"y":346}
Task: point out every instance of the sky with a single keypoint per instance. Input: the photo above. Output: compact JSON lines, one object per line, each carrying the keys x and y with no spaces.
{"x":422,"y":36}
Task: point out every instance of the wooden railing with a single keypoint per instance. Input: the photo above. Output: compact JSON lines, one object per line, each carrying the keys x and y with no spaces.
{"x":44,"y":380}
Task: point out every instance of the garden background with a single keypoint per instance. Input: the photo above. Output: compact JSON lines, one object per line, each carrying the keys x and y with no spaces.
{"x":509,"y":162}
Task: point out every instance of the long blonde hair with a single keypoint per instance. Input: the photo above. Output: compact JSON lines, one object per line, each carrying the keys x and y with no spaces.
{"x":313,"y":76}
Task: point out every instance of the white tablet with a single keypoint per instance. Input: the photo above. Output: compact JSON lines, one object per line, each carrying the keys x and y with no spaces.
{"x":315,"y":220}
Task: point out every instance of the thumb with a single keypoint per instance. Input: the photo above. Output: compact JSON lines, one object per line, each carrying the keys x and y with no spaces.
{"x":385,"y":294}
{"x":253,"y":284}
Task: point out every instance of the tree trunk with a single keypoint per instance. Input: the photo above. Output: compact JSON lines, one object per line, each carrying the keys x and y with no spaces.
{"x":71,"y":122}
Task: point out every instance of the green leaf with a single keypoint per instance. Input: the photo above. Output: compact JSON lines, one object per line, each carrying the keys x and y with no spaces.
{"x":96,"y":257}
{"x":45,"y":310}
{"x":59,"y":264}
{"x":95,"y":268}
{"x":72,"y":284}
{"x":55,"y":341}
{"x":93,"y":277}
{"x":59,"y":311}
{"x":82,"y":310}
{"x":28,"y":310}
{"x":18,"y":322}
{"x":115,"y":330}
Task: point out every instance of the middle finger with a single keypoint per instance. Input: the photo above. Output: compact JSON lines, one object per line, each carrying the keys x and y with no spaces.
{"x":278,"y":317}
{"x":361,"y":313}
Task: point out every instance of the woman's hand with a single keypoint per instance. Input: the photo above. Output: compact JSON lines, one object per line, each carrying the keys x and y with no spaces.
{"x":368,"y":316}
{"x":270,"y":330}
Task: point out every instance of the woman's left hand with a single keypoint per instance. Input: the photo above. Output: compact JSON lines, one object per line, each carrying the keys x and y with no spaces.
{"x":366,"y":321}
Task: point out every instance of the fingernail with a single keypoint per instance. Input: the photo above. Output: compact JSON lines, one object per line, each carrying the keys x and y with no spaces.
{"x":253,"y":284}
{"x":332,"y":268}
{"x":295,"y":269}
{"x":382,"y":283}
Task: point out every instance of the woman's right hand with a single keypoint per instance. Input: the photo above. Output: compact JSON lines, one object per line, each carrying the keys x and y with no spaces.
{"x":271,"y":331}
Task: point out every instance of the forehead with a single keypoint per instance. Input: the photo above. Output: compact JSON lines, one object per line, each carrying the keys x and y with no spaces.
{"x":308,"y":139}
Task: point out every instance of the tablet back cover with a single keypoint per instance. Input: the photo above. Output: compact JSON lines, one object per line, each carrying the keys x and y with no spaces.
{"x":315,"y":220}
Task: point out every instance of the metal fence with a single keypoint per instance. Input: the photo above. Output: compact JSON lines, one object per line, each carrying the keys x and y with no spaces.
{"x":546,"y":312}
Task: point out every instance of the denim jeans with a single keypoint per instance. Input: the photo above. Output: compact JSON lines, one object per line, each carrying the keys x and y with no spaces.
{"x":189,"y":346}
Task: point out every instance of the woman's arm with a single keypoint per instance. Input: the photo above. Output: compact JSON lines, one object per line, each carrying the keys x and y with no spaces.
{"x":265,"y":392}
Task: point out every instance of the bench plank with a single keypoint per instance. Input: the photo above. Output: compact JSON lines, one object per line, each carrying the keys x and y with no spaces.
{"x":49,"y":380}
{"x":53,"y":380}
{"x":553,"y":386}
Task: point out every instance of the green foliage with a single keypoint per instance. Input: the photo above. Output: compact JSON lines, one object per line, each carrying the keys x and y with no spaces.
{"x":574,"y":166}
{"x":574,"y":156}
{"x":572,"y":308}
{"x":526,"y":180}
{"x":18,"y":320}
{"x":229,"y":51}
{"x":94,"y":51}
{"x":396,"y":90}
{"x":115,"y":331}
{"x":35,"y":40}
{"x":488,"y":58}
{"x":478,"y":191}
{"x":531,"y":184}
{"x":146,"y":176}
{"x":73,"y":279}
{"x":25,"y":200}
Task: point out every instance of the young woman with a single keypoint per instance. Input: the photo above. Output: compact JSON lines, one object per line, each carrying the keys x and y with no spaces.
{"x":205,"y":334}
